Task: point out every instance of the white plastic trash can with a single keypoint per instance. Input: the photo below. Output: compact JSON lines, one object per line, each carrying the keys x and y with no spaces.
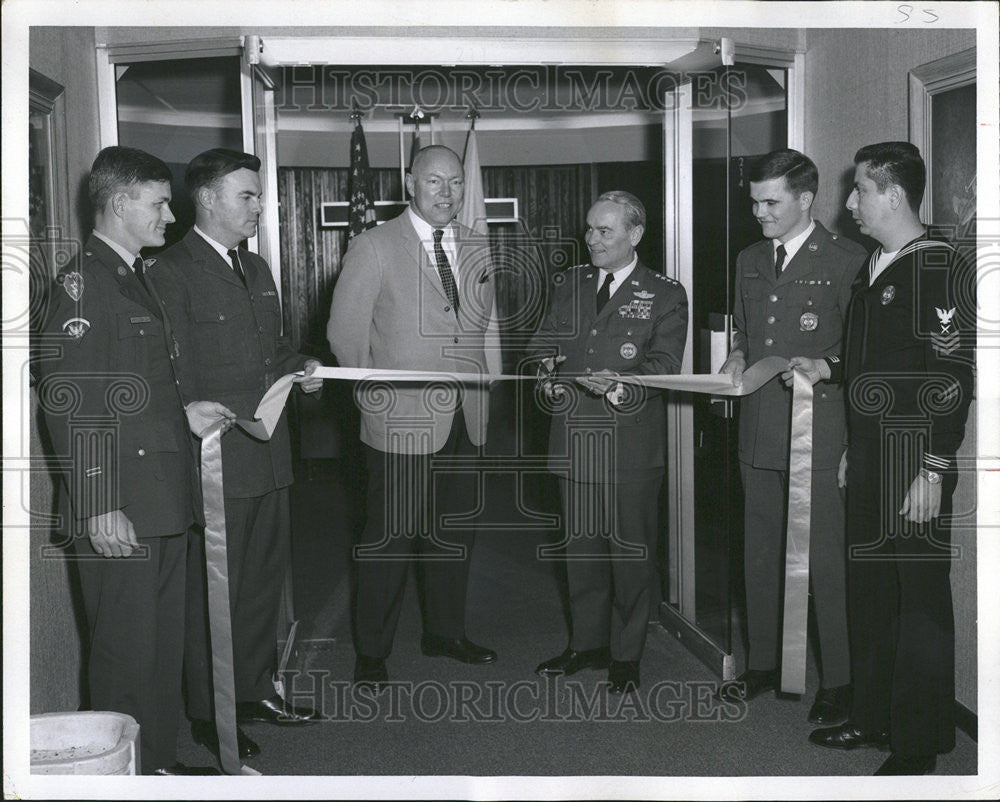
{"x":84,"y":743}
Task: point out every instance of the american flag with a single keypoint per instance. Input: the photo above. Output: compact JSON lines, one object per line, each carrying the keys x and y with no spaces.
{"x":362,"y":211}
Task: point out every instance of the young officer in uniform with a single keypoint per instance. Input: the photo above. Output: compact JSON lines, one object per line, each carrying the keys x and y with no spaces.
{"x":792,"y":291}
{"x":908,"y":365}
{"x":226,"y":315}
{"x":607,"y":440}
{"x":112,"y":405}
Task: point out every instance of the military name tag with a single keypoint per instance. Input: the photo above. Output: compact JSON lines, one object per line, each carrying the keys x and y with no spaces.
{"x":628,"y":350}
{"x":143,"y":319}
{"x":809,"y":321}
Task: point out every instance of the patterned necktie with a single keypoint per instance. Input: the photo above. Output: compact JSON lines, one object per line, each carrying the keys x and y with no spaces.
{"x":237,"y":267}
{"x":444,"y":270}
{"x":779,"y":261}
{"x":140,"y":272}
{"x":604,"y":293}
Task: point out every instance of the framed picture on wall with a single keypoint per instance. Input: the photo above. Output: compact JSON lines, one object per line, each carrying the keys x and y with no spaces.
{"x":943,"y":126}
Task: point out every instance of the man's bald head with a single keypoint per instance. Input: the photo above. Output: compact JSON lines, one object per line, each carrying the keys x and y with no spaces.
{"x":434,"y":154}
{"x":436,"y":183}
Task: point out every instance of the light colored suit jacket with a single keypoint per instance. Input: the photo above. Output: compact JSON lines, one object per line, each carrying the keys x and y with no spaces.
{"x":390,"y":310}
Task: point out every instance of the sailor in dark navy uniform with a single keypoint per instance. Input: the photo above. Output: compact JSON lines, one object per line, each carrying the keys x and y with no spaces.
{"x":608,"y":439}
{"x":908,"y":368}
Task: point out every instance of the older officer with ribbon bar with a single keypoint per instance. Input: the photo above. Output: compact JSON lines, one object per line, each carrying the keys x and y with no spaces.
{"x":614,"y":316}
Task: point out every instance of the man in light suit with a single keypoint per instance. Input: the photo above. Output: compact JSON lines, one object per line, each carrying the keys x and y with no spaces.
{"x":416,"y":294}
{"x":613,"y":316}
{"x":792,"y":292}
{"x":227,"y":318}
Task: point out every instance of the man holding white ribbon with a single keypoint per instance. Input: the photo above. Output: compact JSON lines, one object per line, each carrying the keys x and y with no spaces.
{"x":228,"y":319}
{"x":792,"y":291}
{"x":908,"y":361}
{"x":607,"y":440}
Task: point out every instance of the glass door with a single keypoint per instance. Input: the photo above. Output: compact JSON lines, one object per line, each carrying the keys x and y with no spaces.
{"x":724,"y":119}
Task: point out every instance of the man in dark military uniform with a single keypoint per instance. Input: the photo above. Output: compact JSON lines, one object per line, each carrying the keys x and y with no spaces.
{"x":112,"y":407}
{"x":792,"y":291}
{"x":608,"y":440}
{"x":227,"y":317}
{"x":908,"y":365}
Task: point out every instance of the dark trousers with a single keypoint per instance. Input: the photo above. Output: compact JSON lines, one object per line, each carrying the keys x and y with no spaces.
{"x":409,"y":499}
{"x":610,"y":533}
{"x":135,"y":610}
{"x":902,"y":626}
{"x":258,"y":536}
{"x":765,"y":513}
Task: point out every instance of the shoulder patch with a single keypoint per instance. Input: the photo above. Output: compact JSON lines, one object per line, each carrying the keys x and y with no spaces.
{"x":72,"y":282}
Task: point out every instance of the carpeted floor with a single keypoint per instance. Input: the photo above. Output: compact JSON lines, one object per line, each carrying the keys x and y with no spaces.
{"x":440,"y":717}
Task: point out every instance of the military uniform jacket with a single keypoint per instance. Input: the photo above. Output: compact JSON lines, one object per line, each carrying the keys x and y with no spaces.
{"x":801,"y":313}
{"x":111,"y":400}
{"x":910,"y":347}
{"x":390,"y":310}
{"x":641,"y":330}
{"x":233,"y":350}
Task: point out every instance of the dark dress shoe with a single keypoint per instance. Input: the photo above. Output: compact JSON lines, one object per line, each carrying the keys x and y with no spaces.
{"x":204,"y":733}
{"x":848,"y":736}
{"x":370,"y":671}
{"x":752,"y":682}
{"x":570,"y":661}
{"x":180,"y":768}
{"x":899,"y":765}
{"x":461,"y":649}
{"x":274,"y":711}
{"x":623,"y":676}
{"x":832,"y":705}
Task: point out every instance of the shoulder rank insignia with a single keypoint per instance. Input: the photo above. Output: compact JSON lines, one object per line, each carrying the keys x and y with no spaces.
{"x":76,"y":327}
{"x":945,"y":341}
{"x":73,"y":284}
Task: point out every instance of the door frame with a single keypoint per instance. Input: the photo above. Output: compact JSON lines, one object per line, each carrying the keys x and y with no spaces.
{"x":677,"y":611}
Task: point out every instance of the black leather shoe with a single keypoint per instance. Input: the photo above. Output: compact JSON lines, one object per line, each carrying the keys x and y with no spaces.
{"x":274,"y":711}
{"x":752,"y":682}
{"x":623,"y":676}
{"x":570,"y":661}
{"x":899,"y":765}
{"x":180,"y":768}
{"x":370,"y":671}
{"x":848,"y":736}
{"x":204,"y":733}
{"x":461,"y":649}
{"x":832,"y":705}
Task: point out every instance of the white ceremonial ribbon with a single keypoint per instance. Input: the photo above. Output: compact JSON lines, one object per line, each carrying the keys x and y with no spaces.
{"x":269,"y":412}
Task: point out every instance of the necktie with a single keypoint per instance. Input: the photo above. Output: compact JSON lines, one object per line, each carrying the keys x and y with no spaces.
{"x":604,"y":293}
{"x":140,"y":272}
{"x":444,"y":270}
{"x":779,"y":260}
{"x":237,"y":267}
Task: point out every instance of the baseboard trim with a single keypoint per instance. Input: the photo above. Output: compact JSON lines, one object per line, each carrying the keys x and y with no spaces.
{"x":967,"y":721}
{"x":697,"y":642}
